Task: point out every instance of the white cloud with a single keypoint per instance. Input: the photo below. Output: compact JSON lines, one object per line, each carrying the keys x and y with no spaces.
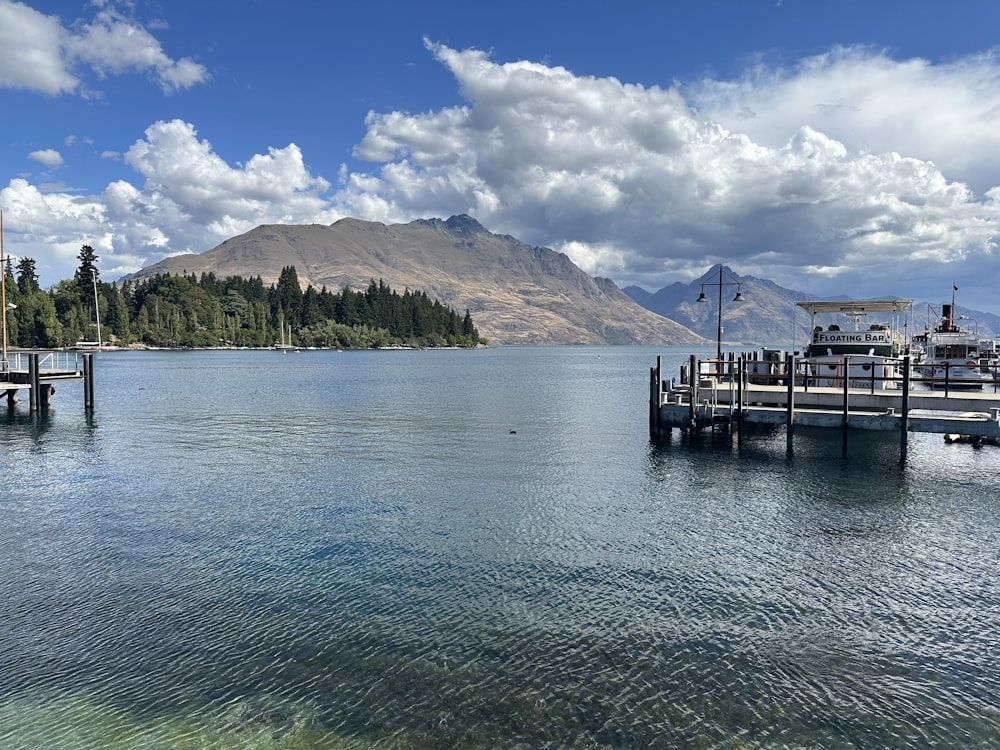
{"x":943,"y":113}
{"x":191,"y":200}
{"x":40,"y":54}
{"x":641,"y":184}
{"x":185,"y":176}
{"x":637,"y":184}
{"x":113,"y":44}
{"x":32,"y":51}
{"x":47,"y":156}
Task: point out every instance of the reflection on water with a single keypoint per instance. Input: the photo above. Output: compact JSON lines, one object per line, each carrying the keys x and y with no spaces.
{"x":477,"y":550}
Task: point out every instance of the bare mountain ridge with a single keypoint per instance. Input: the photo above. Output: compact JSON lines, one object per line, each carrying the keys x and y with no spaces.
{"x":765,"y":317}
{"x":768,"y":315}
{"x":516,"y":293}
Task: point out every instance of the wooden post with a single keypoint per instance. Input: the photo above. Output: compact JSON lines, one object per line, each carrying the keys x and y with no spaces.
{"x":34,"y":397}
{"x":655,"y":400}
{"x":847,"y":382}
{"x":652,"y":414}
{"x":790,"y":405}
{"x":904,"y":417}
{"x":693,"y":394}
{"x":741,"y":373}
{"x":88,"y":381}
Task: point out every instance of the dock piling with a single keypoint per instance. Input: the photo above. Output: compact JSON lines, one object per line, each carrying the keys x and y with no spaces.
{"x":904,"y":426}
{"x":790,"y":401}
{"x":88,"y":380}
{"x":747,"y":395}
{"x":34,"y":393}
{"x":846,"y":407}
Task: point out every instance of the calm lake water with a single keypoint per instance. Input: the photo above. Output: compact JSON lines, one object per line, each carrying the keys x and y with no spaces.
{"x":452,"y":549}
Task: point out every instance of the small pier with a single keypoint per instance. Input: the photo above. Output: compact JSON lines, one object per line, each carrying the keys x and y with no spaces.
{"x":731,"y":393}
{"x":35,"y":373}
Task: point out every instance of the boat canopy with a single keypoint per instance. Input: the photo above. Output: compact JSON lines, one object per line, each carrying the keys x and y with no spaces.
{"x":856,"y":307}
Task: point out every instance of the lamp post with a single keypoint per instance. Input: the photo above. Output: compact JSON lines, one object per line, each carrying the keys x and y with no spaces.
{"x":738,"y":298}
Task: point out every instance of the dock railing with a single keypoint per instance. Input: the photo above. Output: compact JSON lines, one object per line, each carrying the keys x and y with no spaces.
{"x":49,"y":360}
{"x":38,"y":371}
{"x":714,"y":393}
{"x":734,"y":382}
{"x":758,"y":371}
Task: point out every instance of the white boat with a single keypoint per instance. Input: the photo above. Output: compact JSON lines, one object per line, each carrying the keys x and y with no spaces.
{"x":93,"y":346}
{"x":99,"y":345}
{"x":989,"y":357}
{"x":866,"y":353}
{"x":286,"y":347}
{"x":951,"y":355}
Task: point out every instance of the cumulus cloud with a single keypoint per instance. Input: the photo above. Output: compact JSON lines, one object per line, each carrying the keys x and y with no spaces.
{"x":645,"y":184}
{"x":47,"y":156}
{"x":33,"y":54}
{"x":943,"y":113}
{"x":191,"y":200}
{"x":778,"y":174}
{"x":40,"y":54}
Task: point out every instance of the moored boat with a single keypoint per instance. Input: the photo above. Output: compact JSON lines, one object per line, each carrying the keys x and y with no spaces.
{"x":951,"y":355}
{"x":989,"y":357}
{"x":866,"y":354}
{"x":93,"y":346}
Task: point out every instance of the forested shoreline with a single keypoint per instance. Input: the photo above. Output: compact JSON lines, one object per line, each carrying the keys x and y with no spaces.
{"x":190,"y":311}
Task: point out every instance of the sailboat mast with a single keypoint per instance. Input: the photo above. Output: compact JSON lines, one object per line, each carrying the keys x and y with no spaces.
{"x":3,"y":294}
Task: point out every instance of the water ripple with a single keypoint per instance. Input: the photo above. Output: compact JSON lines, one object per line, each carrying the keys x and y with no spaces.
{"x":375,"y":559}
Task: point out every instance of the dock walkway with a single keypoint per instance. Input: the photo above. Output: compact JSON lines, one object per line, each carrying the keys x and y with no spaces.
{"x":725,"y":397}
{"x":38,"y":371}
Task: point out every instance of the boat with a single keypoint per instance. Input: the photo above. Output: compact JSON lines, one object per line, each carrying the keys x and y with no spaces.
{"x":951,"y":355}
{"x":989,"y":358}
{"x":93,"y":346}
{"x":289,"y":346}
{"x":99,"y":345}
{"x":867,"y":354}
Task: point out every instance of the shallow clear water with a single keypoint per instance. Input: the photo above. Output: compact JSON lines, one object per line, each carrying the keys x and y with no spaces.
{"x":451,"y":549}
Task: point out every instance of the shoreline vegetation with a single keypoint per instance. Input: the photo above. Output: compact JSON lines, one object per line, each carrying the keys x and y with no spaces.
{"x":205,"y":312}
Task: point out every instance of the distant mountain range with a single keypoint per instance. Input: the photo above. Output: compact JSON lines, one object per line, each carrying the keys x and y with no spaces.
{"x":516,"y":293}
{"x":768,"y":314}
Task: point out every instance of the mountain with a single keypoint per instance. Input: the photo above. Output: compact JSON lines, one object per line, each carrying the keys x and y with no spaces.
{"x":768,"y":315}
{"x":516,"y":293}
{"x":764,"y":317}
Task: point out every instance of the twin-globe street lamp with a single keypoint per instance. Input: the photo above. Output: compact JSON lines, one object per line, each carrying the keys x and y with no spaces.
{"x":738,"y":298}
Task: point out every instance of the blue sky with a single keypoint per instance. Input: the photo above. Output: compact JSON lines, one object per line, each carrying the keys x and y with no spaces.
{"x":834,"y":147}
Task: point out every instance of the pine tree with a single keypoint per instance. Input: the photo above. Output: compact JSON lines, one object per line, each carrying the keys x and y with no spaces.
{"x":27,"y":277}
{"x":87,"y":272}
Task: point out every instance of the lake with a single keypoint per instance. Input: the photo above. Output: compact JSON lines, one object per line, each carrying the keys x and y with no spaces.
{"x":478,"y":549}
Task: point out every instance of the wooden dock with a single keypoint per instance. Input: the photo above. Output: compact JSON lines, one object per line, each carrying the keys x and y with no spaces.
{"x":730,"y":395}
{"x":37,"y":372}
